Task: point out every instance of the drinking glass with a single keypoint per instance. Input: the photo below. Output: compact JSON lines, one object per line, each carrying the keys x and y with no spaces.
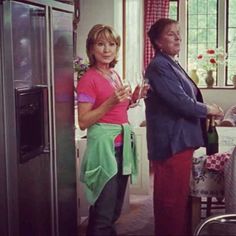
{"x":128,"y":84}
{"x":142,"y":83}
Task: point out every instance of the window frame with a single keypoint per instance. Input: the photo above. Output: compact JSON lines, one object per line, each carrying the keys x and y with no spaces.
{"x":222,"y":38}
{"x":177,"y":8}
{"x":228,"y":78}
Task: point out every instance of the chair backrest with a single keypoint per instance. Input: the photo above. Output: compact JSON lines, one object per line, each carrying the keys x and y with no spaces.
{"x":220,"y":225}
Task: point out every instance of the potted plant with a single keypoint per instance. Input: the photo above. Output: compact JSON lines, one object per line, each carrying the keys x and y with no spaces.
{"x":207,"y":62}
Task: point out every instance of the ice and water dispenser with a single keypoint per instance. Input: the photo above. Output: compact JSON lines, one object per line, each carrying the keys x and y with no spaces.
{"x":30,"y":122}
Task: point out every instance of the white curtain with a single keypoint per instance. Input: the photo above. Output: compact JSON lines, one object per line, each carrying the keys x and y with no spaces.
{"x":134,"y":53}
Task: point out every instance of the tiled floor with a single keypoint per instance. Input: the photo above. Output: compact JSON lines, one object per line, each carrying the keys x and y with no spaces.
{"x":138,"y":221}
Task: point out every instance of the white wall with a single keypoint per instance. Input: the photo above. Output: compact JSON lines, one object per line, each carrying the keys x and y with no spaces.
{"x":93,"y":12}
{"x":222,"y":97}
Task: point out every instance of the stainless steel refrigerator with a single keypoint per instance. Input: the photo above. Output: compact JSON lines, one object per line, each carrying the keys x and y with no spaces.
{"x":37,"y":144}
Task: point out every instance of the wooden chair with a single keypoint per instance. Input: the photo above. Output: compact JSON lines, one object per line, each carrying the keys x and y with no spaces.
{"x":209,"y":204}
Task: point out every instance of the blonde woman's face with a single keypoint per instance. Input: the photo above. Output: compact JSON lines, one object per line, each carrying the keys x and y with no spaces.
{"x":170,"y":40}
{"x":104,"y":51}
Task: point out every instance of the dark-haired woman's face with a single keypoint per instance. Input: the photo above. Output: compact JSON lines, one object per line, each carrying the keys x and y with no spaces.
{"x":169,"y":42}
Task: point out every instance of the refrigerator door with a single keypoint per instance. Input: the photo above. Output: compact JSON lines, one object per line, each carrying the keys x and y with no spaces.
{"x":34,"y":167}
{"x":37,"y":162}
{"x":3,"y":186}
{"x":63,"y":85}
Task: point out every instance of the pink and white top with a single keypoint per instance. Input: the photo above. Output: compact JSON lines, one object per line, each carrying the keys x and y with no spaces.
{"x":94,"y":88}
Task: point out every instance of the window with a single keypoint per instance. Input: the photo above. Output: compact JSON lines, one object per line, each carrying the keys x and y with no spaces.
{"x":205,"y":24}
{"x":231,"y":41}
{"x":173,"y":9}
{"x":208,"y":23}
{"x":212,"y":23}
{"x":201,"y":31}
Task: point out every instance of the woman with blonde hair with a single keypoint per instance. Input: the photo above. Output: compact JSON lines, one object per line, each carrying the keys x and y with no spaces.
{"x":110,"y":157}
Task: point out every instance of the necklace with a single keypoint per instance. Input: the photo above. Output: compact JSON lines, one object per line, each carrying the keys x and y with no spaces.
{"x":111,"y":77}
{"x":103,"y":72}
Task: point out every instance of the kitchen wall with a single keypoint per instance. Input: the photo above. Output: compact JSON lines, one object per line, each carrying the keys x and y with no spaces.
{"x":93,"y":12}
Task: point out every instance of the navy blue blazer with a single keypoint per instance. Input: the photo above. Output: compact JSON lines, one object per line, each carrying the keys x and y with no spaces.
{"x":175,"y":112}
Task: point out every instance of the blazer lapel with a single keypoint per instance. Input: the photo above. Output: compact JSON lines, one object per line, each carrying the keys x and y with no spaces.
{"x":178,"y":69}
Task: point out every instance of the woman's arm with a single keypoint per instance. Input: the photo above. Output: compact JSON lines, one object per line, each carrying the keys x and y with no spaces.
{"x":171,"y":90}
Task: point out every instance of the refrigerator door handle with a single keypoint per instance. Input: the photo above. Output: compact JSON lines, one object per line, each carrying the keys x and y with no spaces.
{"x":41,"y":85}
{"x":46,"y":149}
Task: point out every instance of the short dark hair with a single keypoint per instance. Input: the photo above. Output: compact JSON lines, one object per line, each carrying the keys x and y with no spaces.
{"x":157,"y":29}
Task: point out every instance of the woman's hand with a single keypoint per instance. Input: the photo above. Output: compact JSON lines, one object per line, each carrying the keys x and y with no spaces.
{"x":215,"y":110}
{"x":140,"y":92}
{"x":121,"y":94}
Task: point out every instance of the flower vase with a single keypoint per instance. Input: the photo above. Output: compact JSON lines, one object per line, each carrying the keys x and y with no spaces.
{"x":194,"y":76}
{"x":209,"y":79}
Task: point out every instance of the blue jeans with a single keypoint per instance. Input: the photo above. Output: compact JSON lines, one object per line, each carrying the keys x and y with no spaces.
{"x":107,"y":209}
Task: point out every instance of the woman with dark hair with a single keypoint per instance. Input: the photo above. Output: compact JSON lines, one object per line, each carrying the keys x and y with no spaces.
{"x":110,"y":156}
{"x":176,"y":120}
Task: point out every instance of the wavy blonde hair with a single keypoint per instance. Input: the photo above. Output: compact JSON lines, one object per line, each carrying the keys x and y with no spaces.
{"x":98,"y":32}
